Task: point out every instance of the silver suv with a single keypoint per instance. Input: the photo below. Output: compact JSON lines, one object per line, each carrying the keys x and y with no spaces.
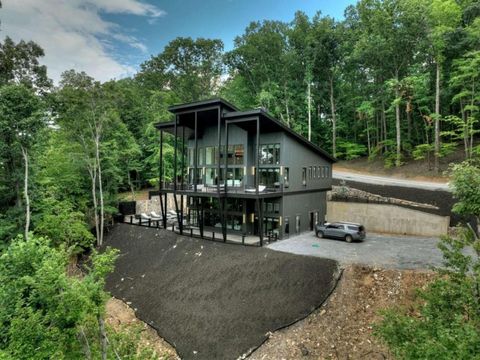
{"x":341,"y":230}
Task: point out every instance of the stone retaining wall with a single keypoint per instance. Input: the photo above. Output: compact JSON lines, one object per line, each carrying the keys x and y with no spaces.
{"x":146,"y":206}
{"x":389,"y":218}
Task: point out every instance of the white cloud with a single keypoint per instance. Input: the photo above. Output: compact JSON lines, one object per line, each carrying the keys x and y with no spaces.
{"x":73,"y":33}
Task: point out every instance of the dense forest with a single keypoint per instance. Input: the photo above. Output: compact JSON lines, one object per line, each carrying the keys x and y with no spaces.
{"x":394,"y":79}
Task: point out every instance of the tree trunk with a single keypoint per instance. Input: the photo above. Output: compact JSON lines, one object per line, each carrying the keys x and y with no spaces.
{"x":85,"y":344}
{"x":398,"y":160}
{"x":25,"y":192}
{"x":93,"y":178}
{"x":384,"y":123}
{"x":437,"y":119}
{"x":409,"y":121}
{"x":103,"y":337}
{"x":309,"y":105}
{"x":100,"y":188}
{"x":465,"y":129}
{"x":368,"y":137}
{"x":130,"y":184}
{"x":334,"y":118}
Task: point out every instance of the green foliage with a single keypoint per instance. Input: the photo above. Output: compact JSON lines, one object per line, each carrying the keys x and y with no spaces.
{"x":445,"y":322}
{"x":422,"y":151}
{"x":190,"y":68}
{"x":465,"y":185}
{"x":42,"y":309}
{"x":349,"y":150}
{"x":59,"y":221}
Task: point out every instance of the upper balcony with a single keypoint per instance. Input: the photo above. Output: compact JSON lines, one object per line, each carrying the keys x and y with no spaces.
{"x":231,"y":188}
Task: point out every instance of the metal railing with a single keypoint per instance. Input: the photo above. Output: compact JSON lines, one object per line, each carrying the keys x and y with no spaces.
{"x":243,"y":189}
{"x":194,"y":232}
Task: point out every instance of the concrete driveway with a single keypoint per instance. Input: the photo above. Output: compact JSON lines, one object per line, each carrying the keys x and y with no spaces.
{"x":386,"y":251}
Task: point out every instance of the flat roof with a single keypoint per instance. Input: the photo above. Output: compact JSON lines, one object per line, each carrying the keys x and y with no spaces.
{"x":203,"y":103}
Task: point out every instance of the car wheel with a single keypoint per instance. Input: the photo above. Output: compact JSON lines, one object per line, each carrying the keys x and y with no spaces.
{"x":348,"y":238}
{"x":320,"y":234}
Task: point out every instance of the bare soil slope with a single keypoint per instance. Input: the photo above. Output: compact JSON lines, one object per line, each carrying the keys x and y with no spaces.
{"x":213,"y":300}
{"x":342,"y":327}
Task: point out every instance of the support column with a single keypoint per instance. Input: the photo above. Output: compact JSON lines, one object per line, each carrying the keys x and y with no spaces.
{"x":219,"y":149}
{"x":160,"y":182}
{"x":260,"y":220}
{"x":195,"y":154}
{"x":226,"y":157}
{"x":201,"y":217}
{"x":182,"y":180}
{"x":175,"y":145}
{"x":257,"y":160}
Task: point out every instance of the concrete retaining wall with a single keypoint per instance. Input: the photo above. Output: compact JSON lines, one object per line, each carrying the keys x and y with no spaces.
{"x":388,"y":218}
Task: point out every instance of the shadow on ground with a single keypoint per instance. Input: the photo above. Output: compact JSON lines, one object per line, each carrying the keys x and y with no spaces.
{"x":213,"y":300}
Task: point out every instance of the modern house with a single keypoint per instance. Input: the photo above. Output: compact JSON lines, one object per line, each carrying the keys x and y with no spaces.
{"x":242,"y":172}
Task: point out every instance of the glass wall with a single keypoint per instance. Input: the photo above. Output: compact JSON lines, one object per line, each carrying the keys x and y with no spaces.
{"x":235,"y":177}
{"x":210,"y":155}
{"x":270,"y":177}
{"x":269,"y":154}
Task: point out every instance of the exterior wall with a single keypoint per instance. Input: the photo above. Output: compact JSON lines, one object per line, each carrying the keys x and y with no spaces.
{"x":302,"y":205}
{"x":296,"y":156}
{"x":389,"y":218}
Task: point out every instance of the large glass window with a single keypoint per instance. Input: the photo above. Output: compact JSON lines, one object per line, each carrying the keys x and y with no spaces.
{"x":230,"y":157}
{"x":234,"y":177}
{"x":210,"y":155}
{"x":199,"y":176}
{"x":270,"y":177}
{"x":271,"y":206}
{"x":286,"y":177}
{"x":211,"y":177}
{"x":234,"y":205}
{"x":190,"y":156}
{"x":270,"y":154}
{"x":271,"y":225}
{"x":201,"y":156}
{"x":238,"y":154}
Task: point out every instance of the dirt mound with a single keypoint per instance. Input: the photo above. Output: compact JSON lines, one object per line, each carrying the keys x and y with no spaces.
{"x":342,"y":327}
{"x":119,"y":315}
{"x":212,"y":300}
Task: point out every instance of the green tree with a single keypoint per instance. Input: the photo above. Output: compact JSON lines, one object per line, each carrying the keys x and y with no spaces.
{"x":19,"y":64}
{"x":20,"y":121}
{"x":445,"y":323}
{"x":190,"y":68}
{"x":46,"y":313}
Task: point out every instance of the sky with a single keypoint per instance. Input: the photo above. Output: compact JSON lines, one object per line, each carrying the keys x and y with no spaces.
{"x":110,"y":38}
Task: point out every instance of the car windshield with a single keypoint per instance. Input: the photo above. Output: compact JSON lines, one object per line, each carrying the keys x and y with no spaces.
{"x":352,"y":227}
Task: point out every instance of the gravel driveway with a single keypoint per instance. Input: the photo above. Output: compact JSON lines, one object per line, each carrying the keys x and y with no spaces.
{"x":387,"y":251}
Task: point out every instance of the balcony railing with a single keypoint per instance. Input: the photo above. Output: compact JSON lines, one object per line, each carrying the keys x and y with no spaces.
{"x":243,"y":189}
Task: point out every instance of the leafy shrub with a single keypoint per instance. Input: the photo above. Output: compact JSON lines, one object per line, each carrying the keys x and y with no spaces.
{"x":43,"y":311}
{"x":445,"y":323}
{"x":349,"y":150}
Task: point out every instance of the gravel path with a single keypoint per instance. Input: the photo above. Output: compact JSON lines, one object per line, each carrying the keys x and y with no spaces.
{"x":387,"y":251}
{"x":213,"y":300}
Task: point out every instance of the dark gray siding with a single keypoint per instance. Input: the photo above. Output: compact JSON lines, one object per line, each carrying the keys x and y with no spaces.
{"x":302,"y":205}
{"x":296,"y":156}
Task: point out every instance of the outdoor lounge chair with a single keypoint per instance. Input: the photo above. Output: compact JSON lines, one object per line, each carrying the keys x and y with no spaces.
{"x":155,"y":216}
{"x":260,"y":189}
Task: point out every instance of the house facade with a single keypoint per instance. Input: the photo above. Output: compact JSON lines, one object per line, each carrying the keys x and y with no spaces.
{"x":242,"y":172}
